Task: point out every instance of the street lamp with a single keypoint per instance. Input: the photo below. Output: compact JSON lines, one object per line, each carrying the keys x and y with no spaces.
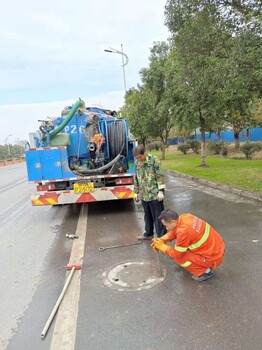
{"x":123,"y":63}
{"x":7,"y":144}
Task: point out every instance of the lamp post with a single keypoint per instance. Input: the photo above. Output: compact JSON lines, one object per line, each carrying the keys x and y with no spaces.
{"x":111,"y":50}
{"x":7,"y":144}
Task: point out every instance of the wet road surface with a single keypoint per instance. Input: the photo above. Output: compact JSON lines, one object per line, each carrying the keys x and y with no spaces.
{"x":221,"y":313}
{"x":33,"y":256}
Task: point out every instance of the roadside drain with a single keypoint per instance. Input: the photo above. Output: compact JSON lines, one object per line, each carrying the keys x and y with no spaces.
{"x":133,"y":276}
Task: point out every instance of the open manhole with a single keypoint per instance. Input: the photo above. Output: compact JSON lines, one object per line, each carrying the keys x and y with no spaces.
{"x":133,"y":276}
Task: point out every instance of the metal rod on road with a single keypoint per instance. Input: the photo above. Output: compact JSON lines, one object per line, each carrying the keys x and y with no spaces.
{"x":101,"y":249}
{"x":50,"y":319}
{"x":159,"y":265}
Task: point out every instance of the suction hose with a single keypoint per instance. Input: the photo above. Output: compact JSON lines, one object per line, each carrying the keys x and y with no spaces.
{"x":85,"y":171}
{"x":78,"y":104}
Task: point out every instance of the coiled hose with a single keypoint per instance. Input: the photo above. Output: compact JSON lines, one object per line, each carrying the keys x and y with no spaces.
{"x":117,"y":138}
{"x":117,"y":148}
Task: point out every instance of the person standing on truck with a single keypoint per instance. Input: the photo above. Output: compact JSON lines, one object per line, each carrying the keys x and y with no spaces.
{"x":149,"y":187}
{"x":199,"y":249}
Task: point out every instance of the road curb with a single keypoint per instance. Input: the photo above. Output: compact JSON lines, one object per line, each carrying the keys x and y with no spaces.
{"x":225,"y":188}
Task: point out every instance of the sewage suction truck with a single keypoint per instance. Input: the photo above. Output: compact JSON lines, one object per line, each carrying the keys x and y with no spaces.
{"x":84,"y":155}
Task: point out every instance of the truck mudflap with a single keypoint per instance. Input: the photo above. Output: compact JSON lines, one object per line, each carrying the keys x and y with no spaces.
{"x":69,"y":197}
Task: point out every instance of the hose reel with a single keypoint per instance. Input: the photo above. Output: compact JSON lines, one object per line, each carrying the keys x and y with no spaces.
{"x":117,"y":138}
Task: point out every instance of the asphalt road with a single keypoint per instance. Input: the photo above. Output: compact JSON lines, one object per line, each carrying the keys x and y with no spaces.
{"x":33,"y":254}
{"x":221,"y":313}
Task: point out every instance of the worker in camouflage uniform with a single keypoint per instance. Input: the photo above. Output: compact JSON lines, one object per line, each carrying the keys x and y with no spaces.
{"x":149,"y":188}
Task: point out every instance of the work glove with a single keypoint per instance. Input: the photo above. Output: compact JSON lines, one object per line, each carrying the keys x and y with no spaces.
{"x":158,"y":244}
{"x":165,"y":238}
{"x":136,"y":197}
{"x":160,"y":196}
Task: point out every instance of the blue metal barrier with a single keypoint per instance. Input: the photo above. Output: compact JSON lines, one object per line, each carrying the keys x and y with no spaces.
{"x":255,"y":134}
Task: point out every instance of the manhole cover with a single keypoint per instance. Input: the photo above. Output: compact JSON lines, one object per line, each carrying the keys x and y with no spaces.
{"x":133,"y":276}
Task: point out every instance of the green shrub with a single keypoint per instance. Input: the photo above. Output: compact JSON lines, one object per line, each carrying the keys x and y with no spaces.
{"x":194,"y":145}
{"x":215,"y":147}
{"x":184,"y":148}
{"x":224,"y":151}
{"x":249,"y":149}
{"x":238,"y":158}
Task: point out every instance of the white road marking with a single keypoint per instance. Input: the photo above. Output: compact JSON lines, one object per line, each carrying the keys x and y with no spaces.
{"x":13,"y":185}
{"x":66,"y":320}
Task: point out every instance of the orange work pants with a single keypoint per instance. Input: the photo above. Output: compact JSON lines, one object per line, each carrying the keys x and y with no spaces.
{"x":199,"y":264}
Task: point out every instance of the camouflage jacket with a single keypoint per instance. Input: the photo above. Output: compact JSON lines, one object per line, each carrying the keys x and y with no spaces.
{"x":149,"y":175}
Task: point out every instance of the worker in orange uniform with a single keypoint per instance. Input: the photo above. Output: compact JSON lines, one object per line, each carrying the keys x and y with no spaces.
{"x":199,"y":249}
{"x":98,"y":140}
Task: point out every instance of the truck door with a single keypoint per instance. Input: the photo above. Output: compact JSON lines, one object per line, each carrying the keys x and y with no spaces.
{"x":33,"y":164}
{"x":51,"y":164}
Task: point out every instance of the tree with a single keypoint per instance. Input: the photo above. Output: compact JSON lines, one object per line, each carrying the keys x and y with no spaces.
{"x":15,"y":151}
{"x":198,"y":39}
{"x":155,"y":83}
{"x":256,"y":111}
{"x":235,"y":13}
{"x":136,"y":110}
{"x":243,"y":84}
{"x":148,"y":108}
{"x":217,"y":44}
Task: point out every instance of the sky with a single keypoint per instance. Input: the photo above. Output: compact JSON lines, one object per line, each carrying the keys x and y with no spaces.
{"x":52,"y":53}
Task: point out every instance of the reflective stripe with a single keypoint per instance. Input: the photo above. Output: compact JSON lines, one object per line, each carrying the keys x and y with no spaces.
{"x":186,"y":264}
{"x":197,"y":244}
{"x":51,"y":200}
{"x":202,"y":240}
{"x":180,"y":249}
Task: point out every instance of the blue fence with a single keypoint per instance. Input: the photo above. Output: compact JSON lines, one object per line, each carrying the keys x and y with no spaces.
{"x":175,"y":140}
{"x":255,"y":134}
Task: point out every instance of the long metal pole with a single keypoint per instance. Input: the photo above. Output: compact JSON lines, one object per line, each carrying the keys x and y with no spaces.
{"x":123,"y":65}
{"x":50,"y":319}
{"x":112,"y":50}
{"x":159,"y":265}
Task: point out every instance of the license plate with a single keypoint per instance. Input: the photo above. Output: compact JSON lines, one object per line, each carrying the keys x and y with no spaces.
{"x":84,"y":188}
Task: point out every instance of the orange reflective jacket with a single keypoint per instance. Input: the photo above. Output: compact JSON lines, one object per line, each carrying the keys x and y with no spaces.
{"x":196,"y":242}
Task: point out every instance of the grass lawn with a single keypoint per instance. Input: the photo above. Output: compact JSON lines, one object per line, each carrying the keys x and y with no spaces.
{"x":242,"y":174}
